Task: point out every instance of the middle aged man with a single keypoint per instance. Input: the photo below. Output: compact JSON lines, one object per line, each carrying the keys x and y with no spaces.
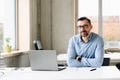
{"x":86,"y":48}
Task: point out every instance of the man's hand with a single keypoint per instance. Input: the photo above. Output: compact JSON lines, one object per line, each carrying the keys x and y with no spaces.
{"x":78,"y":58}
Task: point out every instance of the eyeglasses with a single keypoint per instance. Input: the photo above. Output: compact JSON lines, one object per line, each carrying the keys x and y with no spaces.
{"x":84,"y":26}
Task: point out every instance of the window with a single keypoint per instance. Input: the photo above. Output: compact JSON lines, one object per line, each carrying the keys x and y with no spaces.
{"x":89,"y":8}
{"x":111,"y":20}
{"x":105,"y":17}
{"x":8,"y":22}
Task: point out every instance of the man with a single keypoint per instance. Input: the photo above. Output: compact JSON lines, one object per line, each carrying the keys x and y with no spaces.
{"x":86,"y":48}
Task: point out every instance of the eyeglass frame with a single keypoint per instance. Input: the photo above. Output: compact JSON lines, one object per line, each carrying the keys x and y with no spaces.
{"x":84,"y":26}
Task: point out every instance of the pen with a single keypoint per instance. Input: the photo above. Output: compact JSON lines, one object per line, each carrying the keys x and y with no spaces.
{"x":93,"y":69}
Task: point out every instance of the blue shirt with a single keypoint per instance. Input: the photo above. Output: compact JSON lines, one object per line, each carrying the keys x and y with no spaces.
{"x":90,"y":51}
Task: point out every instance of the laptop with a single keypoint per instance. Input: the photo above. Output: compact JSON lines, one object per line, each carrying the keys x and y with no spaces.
{"x":45,"y":60}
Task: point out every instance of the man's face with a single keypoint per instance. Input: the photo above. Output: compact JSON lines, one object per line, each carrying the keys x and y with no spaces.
{"x":84,"y":28}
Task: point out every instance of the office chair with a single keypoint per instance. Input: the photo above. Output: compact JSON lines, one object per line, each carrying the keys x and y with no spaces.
{"x":106,"y":62}
{"x":118,"y":65}
{"x":37,"y":45}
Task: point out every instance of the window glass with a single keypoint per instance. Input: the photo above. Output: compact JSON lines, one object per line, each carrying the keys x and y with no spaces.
{"x":7,"y":22}
{"x":111,"y":20}
{"x":110,"y":17}
{"x":89,"y":8}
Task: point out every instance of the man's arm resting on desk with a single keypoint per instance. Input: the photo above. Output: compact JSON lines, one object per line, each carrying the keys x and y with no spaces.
{"x":84,"y":62}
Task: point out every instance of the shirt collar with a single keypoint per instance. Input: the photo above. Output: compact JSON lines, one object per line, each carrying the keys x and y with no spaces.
{"x":88,"y":39}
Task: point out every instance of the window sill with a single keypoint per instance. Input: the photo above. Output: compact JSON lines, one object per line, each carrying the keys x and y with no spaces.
{"x":13,"y":53}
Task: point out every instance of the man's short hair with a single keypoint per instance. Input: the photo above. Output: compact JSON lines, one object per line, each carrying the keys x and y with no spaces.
{"x":84,"y":18}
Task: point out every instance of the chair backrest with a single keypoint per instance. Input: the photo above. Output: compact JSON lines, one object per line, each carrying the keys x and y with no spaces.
{"x":106,"y":62}
{"x":118,"y":65}
{"x":37,"y":45}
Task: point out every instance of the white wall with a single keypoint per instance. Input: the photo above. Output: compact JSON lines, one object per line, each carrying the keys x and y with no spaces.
{"x":51,"y":21}
{"x":46,"y":24}
{"x":62,"y":23}
{"x":56,"y":24}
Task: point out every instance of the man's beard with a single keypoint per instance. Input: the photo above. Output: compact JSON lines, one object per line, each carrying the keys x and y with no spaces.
{"x":84,"y":33}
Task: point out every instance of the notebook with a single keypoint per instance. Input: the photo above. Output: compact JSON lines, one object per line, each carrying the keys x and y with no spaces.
{"x":44,"y":60}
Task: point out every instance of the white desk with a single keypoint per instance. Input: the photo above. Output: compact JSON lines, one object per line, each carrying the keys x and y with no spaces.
{"x":103,"y":73}
{"x":114,"y":58}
